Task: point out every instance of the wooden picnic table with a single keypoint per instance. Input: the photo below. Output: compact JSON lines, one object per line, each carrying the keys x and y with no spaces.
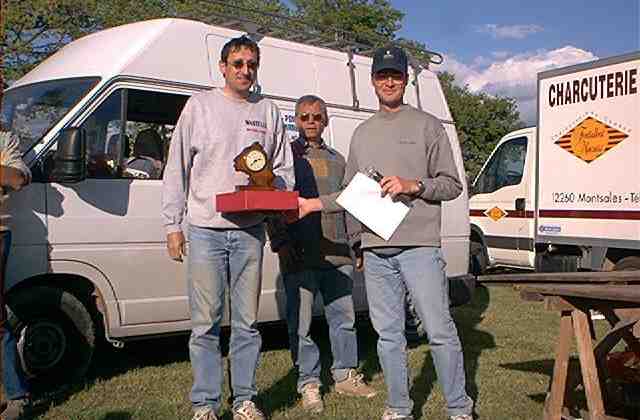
{"x":583,"y":277}
{"x":620,"y":305}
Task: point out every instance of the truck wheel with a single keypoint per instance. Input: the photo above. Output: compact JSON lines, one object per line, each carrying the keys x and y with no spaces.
{"x":477,"y":259}
{"x":56,"y":335}
{"x":627,"y":263}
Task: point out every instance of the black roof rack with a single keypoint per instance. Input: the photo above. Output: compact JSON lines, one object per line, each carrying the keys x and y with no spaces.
{"x":259,"y":23}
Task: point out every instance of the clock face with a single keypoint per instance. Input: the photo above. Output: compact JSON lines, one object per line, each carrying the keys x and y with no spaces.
{"x":255,"y":160}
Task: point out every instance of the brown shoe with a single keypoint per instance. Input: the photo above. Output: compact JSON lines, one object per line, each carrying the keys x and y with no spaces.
{"x":355,"y":386}
{"x":16,"y":409}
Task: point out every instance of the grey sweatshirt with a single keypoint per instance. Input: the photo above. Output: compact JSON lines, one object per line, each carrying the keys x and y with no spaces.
{"x":410,"y":144}
{"x":9,"y":156}
{"x":211,"y":131}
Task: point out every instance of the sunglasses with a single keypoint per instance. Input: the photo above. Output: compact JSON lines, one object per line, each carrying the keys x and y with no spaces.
{"x":384,"y":76}
{"x":306,"y":116}
{"x":239,"y":64}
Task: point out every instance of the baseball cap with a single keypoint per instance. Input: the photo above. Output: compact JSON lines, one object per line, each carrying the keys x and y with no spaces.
{"x":389,"y":58}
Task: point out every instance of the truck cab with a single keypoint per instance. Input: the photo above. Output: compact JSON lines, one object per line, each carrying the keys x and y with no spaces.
{"x":502,"y":204}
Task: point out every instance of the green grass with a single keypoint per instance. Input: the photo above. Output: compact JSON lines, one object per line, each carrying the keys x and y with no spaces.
{"x":508,"y":346}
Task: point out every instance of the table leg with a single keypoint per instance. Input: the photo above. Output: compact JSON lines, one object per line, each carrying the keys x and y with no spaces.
{"x":588,"y":365}
{"x":553,"y":407}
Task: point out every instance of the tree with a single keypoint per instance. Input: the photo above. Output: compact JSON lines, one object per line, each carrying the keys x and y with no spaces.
{"x":35,"y":29}
{"x":481,"y":120}
{"x":374,"y":22}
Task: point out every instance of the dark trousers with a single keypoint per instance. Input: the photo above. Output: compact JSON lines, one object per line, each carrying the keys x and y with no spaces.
{"x":13,"y":381}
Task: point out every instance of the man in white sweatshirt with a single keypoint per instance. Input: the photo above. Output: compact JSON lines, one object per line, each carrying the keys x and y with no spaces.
{"x":225,"y":249}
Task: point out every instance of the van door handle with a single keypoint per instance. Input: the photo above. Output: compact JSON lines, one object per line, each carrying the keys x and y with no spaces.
{"x":520,"y":204}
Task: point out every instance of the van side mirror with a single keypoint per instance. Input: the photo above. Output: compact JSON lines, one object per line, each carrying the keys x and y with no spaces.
{"x":70,"y":157}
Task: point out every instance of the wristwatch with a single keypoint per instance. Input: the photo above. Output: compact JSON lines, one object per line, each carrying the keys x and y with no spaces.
{"x":420,"y":187}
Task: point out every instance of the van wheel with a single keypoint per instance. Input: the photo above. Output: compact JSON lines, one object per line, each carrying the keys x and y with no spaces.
{"x":627,"y":264}
{"x":477,"y":259}
{"x":56,"y":335}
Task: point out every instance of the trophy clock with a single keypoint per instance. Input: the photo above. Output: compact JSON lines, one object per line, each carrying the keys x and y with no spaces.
{"x":259,"y":194}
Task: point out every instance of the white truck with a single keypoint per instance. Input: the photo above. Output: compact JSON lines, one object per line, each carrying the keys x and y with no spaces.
{"x":89,"y":257}
{"x":565,"y":196}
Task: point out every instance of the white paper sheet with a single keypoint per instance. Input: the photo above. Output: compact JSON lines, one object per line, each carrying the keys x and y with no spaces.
{"x":362,"y":199}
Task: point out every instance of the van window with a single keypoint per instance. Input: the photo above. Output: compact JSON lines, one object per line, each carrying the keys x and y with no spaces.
{"x":30,"y":111}
{"x":505,"y":168}
{"x":133,"y":145}
{"x":149,"y":123}
{"x":104,"y":148}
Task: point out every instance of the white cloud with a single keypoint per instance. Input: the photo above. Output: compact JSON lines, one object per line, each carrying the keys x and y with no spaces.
{"x":514,"y":76}
{"x":500,"y":54}
{"x":509,"y":31}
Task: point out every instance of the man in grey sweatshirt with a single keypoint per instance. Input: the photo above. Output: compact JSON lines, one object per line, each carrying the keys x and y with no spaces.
{"x":412,"y":149}
{"x":225,"y":249}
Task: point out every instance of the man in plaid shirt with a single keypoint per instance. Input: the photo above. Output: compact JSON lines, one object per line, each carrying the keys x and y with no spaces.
{"x":315,"y":256}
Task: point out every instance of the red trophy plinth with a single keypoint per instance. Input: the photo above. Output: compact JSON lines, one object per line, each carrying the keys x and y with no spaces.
{"x":256,"y":200}
{"x":259,"y":195}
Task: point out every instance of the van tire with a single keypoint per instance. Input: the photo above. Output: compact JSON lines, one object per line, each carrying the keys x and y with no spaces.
{"x":477,"y":258}
{"x":627,"y":264}
{"x":56,"y":335}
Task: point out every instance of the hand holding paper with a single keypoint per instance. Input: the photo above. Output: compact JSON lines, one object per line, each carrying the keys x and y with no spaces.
{"x":362,"y":198}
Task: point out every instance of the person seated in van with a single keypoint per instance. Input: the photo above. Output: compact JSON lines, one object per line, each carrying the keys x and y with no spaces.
{"x":104,"y":156}
{"x":146,"y":162}
{"x":315,"y":257}
{"x":225,"y":249}
{"x":14,"y":174}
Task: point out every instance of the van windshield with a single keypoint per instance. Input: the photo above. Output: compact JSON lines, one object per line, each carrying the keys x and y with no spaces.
{"x":30,"y":111}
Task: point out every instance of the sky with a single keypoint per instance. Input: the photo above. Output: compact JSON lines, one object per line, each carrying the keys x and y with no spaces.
{"x":498,"y":46}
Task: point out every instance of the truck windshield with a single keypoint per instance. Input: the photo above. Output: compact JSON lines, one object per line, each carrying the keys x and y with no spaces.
{"x":30,"y":111}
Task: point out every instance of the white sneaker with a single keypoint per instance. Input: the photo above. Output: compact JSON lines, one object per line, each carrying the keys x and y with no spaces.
{"x":248,"y":411}
{"x":204,"y":413}
{"x":461,"y":417}
{"x":390,"y":414}
{"x":311,"y":398}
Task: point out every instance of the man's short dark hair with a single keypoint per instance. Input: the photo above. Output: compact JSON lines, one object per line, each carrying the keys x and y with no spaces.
{"x":312,"y":99}
{"x":235,"y":44}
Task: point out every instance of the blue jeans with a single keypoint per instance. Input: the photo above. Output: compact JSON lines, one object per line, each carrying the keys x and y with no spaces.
{"x":420,"y":272}
{"x":15,"y":385}
{"x":335,"y":287}
{"x":221,"y":258}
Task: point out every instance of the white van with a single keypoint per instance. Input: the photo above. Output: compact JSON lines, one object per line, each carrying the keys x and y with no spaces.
{"x":565,"y":196}
{"x":89,"y":258}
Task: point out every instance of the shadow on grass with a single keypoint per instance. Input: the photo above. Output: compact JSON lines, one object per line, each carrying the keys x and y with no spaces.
{"x":283,"y":394}
{"x":117,"y":415}
{"x":474,"y":342}
{"x":615,"y":398}
{"x":109,"y":362}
